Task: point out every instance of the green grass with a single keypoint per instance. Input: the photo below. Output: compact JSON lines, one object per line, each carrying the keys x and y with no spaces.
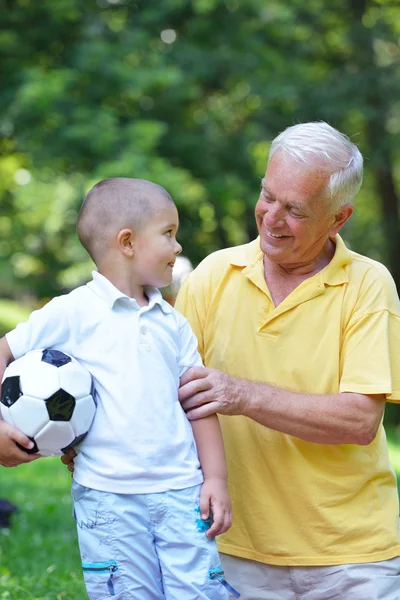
{"x":39,"y":555}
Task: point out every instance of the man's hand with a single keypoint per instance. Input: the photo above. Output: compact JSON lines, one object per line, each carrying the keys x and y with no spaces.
{"x":214,"y":500}
{"x":10,"y":454}
{"x":204,"y":392}
{"x":68,"y":459}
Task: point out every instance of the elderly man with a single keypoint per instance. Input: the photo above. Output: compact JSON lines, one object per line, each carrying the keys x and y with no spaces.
{"x":301,"y":341}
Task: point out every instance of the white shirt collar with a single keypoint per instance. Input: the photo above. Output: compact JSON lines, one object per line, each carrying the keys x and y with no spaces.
{"x":110,"y":294}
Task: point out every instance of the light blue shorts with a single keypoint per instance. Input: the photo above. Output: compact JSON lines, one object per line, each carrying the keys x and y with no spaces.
{"x":146,"y":546}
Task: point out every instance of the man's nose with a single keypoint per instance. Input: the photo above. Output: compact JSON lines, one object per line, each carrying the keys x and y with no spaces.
{"x":273,"y":216}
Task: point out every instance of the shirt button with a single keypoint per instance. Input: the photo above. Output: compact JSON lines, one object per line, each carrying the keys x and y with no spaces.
{"x":143,"y":330}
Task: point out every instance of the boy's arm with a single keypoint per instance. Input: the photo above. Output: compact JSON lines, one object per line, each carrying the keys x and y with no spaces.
{"x":10,"y":454}
{"x":214,"y":494}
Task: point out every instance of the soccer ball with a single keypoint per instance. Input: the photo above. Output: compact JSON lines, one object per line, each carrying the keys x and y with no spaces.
{"x":49,"y":396}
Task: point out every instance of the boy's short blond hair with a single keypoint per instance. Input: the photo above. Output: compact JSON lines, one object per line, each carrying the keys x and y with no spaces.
{"x":115,"y":204}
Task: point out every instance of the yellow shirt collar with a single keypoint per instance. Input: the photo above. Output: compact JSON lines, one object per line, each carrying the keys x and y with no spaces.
{"x":334,"y":273}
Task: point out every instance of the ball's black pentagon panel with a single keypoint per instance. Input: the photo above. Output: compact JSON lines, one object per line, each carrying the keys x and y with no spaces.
{"x":60,"y":406}
{"x":55,"y":357}
{"x":10,"y":390}
{"x":33,"y":450}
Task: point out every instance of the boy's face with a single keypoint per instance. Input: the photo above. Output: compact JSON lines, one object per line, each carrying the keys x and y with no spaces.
{"x":156,"y":247}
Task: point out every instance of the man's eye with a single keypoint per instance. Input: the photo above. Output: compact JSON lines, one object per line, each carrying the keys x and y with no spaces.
{"x":267,"y":198}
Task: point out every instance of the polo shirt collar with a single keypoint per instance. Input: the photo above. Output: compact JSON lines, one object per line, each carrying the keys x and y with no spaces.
{"x":334,"y":273}
{"x":246,"y":255}
{"x":110,"y":294}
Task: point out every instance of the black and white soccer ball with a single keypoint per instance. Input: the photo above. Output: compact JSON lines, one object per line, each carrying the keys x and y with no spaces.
{"x":49,"y":396}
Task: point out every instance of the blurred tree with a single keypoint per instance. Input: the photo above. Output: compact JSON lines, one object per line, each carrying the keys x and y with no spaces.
{"x":186,"y":93}
{"x":379,"y":62}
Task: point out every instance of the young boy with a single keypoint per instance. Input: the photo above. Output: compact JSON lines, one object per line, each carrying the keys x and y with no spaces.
{"x":142,"y":502}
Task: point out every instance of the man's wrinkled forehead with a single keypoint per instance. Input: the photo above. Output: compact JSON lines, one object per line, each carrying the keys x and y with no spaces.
{"x":293,"y":181}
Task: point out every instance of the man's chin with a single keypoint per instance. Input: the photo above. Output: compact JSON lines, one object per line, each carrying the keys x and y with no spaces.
{"x":273,"y":250}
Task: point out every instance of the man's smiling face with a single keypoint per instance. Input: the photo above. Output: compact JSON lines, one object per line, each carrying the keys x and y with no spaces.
{"x":293,"y":216}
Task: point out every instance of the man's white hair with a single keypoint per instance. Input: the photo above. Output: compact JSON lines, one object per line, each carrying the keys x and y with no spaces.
{"x":333,"y":150}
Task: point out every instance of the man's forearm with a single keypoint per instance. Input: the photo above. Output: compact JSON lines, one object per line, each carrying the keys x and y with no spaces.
{"x":342,"y":418}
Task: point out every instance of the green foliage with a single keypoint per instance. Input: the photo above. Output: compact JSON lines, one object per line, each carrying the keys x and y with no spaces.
{"x":393,"y":440}
{"x":12,"y":313}
{"x":188,"y":94}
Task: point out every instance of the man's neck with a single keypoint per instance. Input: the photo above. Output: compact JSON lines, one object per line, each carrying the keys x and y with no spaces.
{"x":302,"y":269}
{"x":282,"y":280}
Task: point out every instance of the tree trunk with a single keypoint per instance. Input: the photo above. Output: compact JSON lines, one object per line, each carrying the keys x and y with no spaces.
{"x":391,"y":219}
{"x":380,"y":151}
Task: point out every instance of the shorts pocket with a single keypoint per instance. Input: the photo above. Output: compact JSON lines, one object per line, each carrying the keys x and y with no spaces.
{"x":218,"y":575}
{"x":99,"y":577}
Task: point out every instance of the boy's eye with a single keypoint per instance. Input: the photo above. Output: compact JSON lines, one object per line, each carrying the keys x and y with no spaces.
{"x":169,"y":233}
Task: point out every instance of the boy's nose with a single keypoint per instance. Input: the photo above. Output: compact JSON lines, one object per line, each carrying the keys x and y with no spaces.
{"x":178,"y":248}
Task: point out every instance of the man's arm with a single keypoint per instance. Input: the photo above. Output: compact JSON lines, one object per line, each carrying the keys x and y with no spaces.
{"x":214,"y":492}
{"x":342,"y":418}
{"x":10,"y":454}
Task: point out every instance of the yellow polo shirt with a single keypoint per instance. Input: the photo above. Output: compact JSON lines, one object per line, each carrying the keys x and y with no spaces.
{"x":295,"y":502}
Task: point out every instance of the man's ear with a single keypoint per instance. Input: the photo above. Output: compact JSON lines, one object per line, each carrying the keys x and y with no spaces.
{"x":125,"y":242}
{"x":341,"y":217}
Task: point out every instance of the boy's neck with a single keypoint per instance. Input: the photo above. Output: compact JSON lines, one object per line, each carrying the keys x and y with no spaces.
{"x":125,"y":285}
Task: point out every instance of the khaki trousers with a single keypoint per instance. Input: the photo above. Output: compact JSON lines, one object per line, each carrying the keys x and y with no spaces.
{"x":367,"y":581}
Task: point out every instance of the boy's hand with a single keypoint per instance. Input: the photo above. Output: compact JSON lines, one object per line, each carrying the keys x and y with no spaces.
{"x":10,"y":454}
{"x":214,"y":498}
{"x":68,"y":459}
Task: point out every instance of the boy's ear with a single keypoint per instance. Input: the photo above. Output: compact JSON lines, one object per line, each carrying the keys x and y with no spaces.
{"x":125,"y":242}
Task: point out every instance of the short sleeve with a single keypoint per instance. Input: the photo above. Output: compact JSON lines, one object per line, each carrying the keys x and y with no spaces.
{"x":187,"y":304}
{"x":370,"y":357}
{"x":188,"y":353}
{"x":46,"y":327}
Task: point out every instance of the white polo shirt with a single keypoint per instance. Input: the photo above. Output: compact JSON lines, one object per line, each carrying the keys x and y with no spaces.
{"x":140,"y":440}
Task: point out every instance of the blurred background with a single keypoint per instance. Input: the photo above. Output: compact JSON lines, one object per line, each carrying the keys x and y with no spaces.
{"x":188,"y":94}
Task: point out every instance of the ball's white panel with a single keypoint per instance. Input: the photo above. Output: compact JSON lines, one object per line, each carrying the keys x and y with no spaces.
{"x":83,"y":415}
{"x":13,"y":369}
{"x":29,"y":415}
{"x":16,"y":367}
{"x":75,"y":379}
{"x":39,"y":379}
{"x":54,"y":436}
{"x":5,"y":414}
